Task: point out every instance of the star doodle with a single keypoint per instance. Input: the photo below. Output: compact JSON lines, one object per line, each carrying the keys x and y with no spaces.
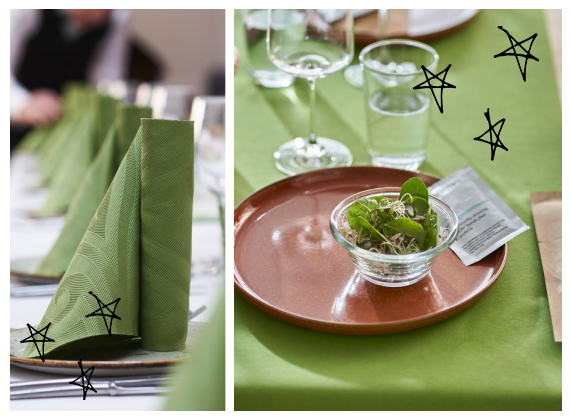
{"x":45,"y":339}
{"x":517,"y":55}
{"x":491,"y":131}
{"x":84,"y":378}
{"x":101,"y":312}
{"x":444,"y":85}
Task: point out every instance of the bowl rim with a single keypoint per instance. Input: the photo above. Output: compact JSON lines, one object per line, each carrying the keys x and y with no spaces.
{"x":351,"y":248}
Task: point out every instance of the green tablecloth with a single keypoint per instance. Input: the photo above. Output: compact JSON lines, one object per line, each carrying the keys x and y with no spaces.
{"x":500,"y":353}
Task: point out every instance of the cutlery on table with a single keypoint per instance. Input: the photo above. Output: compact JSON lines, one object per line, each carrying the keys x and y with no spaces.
{"x":142,"y":385}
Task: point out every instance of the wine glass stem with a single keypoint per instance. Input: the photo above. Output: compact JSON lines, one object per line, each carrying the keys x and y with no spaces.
{"x":312,"y":111}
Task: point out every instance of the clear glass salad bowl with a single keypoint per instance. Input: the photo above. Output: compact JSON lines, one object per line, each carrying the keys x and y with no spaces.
{"x":395,"y":270}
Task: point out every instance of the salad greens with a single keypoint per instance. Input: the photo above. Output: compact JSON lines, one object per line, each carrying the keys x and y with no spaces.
{"x":403,"y":226}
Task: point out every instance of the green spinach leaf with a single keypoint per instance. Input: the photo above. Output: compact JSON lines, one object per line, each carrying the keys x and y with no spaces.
{"x":415,"y":187}
{"x":371,"y":230}
{"x":357,"y":209}
{"x":409,"y":228}
{"x":431,"y":225}
{"x":420,"y":206}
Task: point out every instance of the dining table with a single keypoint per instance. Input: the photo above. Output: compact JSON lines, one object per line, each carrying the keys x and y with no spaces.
{"x":33,"y":237}
{"x":499,"y":354}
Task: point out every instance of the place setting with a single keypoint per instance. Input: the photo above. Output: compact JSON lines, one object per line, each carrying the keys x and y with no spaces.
{"x":367,"y":244}
{"x":297,"y":222}
{"x":117,"y":260}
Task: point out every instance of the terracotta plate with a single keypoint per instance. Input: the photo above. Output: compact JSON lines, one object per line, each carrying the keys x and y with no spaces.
{"x":127,"y":360}
{"x":288,"y":264}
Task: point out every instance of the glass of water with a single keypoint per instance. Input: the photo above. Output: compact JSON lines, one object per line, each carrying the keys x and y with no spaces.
{"x":262,"y":71}
{"x":397,"y":116}
{"x":311,"y":43}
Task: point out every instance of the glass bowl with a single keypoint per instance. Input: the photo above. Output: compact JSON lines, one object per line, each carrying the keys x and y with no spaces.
{"x":395,"y":270}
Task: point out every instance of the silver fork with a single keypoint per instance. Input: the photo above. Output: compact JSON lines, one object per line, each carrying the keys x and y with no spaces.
{"x":141,"y":385}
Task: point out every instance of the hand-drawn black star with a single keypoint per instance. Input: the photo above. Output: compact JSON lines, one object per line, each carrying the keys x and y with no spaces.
{"x":491,"y":131}
{"x":517,"y":55}
{"x":444,"y":85}
{"x":84,"y":378}
{"x":44,"y":339}
{"x":101,"y":312}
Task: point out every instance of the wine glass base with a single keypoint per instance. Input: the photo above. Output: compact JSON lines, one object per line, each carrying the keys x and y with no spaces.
{"x":354,"y":75}
{"x":290,"y":161}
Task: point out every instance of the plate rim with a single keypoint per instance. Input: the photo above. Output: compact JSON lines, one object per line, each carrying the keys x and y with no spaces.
{"x":111,"y":364}
{"x":357,"y":328}
{"x":22,"y":275}
{"x":362,"y":39}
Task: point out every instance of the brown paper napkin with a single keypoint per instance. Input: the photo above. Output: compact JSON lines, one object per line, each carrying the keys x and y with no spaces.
{"x":547,"y":213}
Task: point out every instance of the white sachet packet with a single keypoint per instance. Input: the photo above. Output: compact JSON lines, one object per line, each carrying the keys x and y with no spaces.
{"x":485,"y":221}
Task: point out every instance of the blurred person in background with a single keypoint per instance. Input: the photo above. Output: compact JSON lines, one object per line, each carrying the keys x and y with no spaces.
{"x":51,"y":47}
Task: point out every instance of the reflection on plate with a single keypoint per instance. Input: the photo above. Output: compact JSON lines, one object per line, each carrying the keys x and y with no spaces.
{"x":125,"y":360}
{"x":288,"y":264}
{"x":24,"y":270}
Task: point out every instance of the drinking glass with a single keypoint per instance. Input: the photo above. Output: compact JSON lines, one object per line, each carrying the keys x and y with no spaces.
{"x":171,"y":102}
{"x":354,"y":74}
{"x":397,"y":116}
{"x":262,"y":71}
{"x":310,"y":43}
{"x":209,"y":116}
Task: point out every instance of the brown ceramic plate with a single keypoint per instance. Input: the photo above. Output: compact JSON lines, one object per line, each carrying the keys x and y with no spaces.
{"x":127,"y":360}
{"x":24,"y":271}
{"x":420,"y":25}
{"x":288,"y":264}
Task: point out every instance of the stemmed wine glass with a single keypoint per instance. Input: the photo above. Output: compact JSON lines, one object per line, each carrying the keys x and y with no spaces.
{"x":310,"y":43}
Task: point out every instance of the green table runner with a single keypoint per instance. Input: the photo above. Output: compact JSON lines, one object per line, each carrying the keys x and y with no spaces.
{"x":93,"y":187}
{"x":136,"y":249}
{"x":499,"y":354}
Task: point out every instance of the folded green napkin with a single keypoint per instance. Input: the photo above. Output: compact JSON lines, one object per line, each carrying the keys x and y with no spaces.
{"x":71,"y":167}
{"x":200,"y":381}
{"x":105,"y":116}
{"x":77,"y":101}
{"x":81,"y":148}
{"x":33,"y":140}
{"x":55,"y":146}
{"x":93,"y":187}
{"x":136,"y":249}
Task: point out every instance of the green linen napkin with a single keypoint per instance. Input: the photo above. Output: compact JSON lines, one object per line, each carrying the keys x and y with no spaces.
{"x":136,"y":249}
{"x":55,"y":145}
{"x":33,"y":140}
{"x":70,"y":169}
{"x":83,"y":145}
{"x":200,"y":381}
{"x":78,"y":101}
{"x":93,"y":188}
{"x":105,"y":116}
{"x":128,"y":123}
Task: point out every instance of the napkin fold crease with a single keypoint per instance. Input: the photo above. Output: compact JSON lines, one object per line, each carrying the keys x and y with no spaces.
{"x":136,"y":248}
{"x":93,"y":187}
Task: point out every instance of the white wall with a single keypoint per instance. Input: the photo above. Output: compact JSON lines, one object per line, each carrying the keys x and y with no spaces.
{"x":190,"y":43}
